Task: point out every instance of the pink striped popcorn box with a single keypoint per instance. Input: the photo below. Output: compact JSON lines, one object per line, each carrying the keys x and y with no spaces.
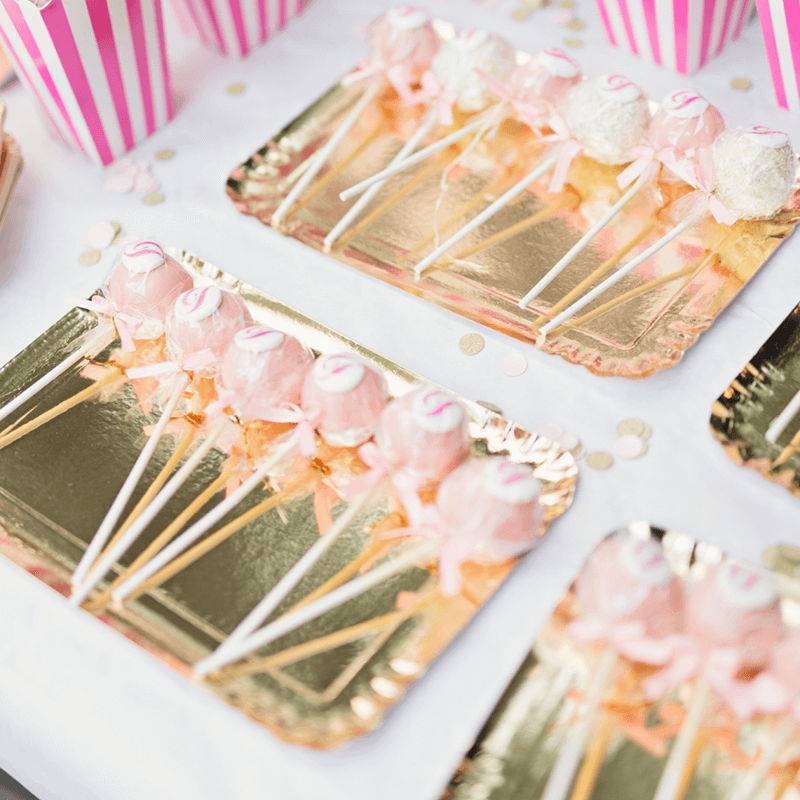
{"x":235,"y":27}
{"x":97,"y":69}
{"x":780,"y":24}
{"x":679,"y":34}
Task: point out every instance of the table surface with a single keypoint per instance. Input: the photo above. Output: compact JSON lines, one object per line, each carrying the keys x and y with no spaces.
{"x":84,"y":713}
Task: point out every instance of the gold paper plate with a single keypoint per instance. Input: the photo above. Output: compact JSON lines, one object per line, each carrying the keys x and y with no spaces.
{"x":514,"y":753}
{"x":642,"y":335}
{"x":744,"y":411}
{"x":10,"y":169}
{"x":57,"y":482}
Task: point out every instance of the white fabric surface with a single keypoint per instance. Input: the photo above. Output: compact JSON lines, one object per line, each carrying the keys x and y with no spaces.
{"x":84,"y":713}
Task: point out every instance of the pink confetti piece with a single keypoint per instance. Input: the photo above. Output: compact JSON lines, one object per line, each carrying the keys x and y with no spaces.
{"x":551,"y":430}
{"x":122,"y":166}
{"x":99,"y":235}
{"x":513,"y":364}
{"x":629,"y":446}
{"x":569,"y":441}
{"x":563,"y":16}
{"x":120,"y":183}
{"x":146,"y":183}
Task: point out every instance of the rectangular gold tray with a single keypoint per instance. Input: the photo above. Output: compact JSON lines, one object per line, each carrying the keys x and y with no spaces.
{"x":645,"y":333}
{"x":741,"y":415}
{"x":57,"y":482}
{"x":514,"y":753}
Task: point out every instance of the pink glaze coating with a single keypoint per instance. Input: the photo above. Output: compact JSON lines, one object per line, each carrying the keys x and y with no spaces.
{"x":404,"y":35}
{"x":263,"y":368}
{"x":549,"y":76}
{"x":424,"y":432}
{"x":145,"y":282}
{"x":205,"y":318}
{"x":348,"y":393}
{"x":629,"y":580}
{"x":490,"y":509}
{"x":735,"y":606}
{"x":685,"y":121}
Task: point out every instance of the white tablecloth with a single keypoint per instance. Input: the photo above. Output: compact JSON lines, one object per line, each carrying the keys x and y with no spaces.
{"x":84,"y":713}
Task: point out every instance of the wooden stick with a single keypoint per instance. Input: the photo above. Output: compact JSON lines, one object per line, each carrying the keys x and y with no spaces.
{"x":326,"y":150}
{"x":787,"y":452}
{"x":179,"y":384}
{"x":422,"y":131}
{"x":597,"y":273}
{"x":168,"y":563}
{"x":289,"y":622}
{"x":465,"y":209}
{"x":592,"y":763}
{"x":63,"y":406}
{"x":629,"y":295}
{"x":486,"y":214}
{"x":517,"y":227}
{"x":161,"y":541}
{"x":586,"y":239}
{"x":113,"y":554}
{"x":780,"y":736}
{"x":788,"y":777}
{"x":334,"y":171}
{"x":691,"y":765}
{"x":422,"y":175}
{"x":420,"y":155}
{"x":584,"y":301}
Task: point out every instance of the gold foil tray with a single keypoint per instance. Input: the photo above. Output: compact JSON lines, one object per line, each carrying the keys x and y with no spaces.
{"x":515,"y":752}
{"x":744,"y":411}
{"x":644,"y":332}
{"x":10,"y":169}
{"x":57,"y":482}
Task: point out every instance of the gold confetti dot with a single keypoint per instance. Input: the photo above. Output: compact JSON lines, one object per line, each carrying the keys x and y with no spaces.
{"x":646,"y":433}
{"x":471,"y":343}
{"x":630,"y":426}
{"x":89,"y":257}
{"x":119,"y":234}
{"x":741,"y":84}
{"x":576,"y":25}
{"x":567,"y":4}
{"x":599,"y":459}
{"x":573,"y":42}
{"x":235,"y":88}
{"x":166,"y":154}
{"x":153,"y":199}
{"x":491,"y":407}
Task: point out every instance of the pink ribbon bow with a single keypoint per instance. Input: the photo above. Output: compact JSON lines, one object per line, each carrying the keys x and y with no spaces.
{"x":306,"y":425}
{"x":645,"y":155}
{"x":530,"y":112}
{"x":399,"y":76}
{"x":124,"y":323}
{"x":703,"y":174}
{"x":765,"y":694}
{"x":381,"y":469}
{"x":568,"y":150}
{"x":167,"y":369}
{"x":442,"y":99}
{"x":630,"y":639}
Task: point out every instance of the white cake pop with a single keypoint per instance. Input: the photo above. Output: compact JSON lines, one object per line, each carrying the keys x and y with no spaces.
{"x":608,"y":115}
{"x":455,"y":64}
{"x":754,"y":170}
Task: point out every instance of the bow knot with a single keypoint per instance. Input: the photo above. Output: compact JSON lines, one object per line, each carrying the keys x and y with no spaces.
{"x":568,"y":150}
{"x":399,"y":76}
{"x":442,"y":99}
{"x":532,"y":112}
{"x":645,"y":156}
{"x":703,"y":179}
{"x":306,"y":423}
{"x":124,"y":323}
{"x":630,"y":639}
{"x":167,"y":369}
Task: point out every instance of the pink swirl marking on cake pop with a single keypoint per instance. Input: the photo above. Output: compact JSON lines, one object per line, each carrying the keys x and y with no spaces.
{"x":619,"y":89}
{"x":766,"y":136}
{"x":135,"y":256}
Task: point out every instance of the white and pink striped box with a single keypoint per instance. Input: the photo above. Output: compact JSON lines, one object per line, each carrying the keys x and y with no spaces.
{"x":235,"y":27}
{"x":679,"y":34}
{"x":97,"y":69}
{"x":780,"y":24}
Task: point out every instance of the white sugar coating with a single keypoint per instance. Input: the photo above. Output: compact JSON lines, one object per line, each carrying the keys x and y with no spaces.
{"x":752,"y":177}
{"x":455,"y":63}
{"x":606,"y":129}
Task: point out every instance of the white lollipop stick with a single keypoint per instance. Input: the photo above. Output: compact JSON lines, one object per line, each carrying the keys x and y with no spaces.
{"x":754,"y":779}
{"x":295,"y":619}
{"x":673,"y":776}
{"x":421,"y":155}
{"x":92,"y":344}
{"x":297,"y":572}
{"x":584,"y":240}
{"x":486,"y":214}
{"x":134,"y":476}
{"x":783,"y":419}
{"x":407,"y":148}
{"x":194,"y":532}
{"x":620,"y":274}
{"x":572,"y":750}
{"x":101,"y":568}
{"x":324,"y":153}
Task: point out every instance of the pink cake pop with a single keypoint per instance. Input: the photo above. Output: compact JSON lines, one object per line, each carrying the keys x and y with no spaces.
{"x":261,"y":369}
{"x":204,"y":319}
{"x":146,"y":282}
{"x":348,"y":394}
